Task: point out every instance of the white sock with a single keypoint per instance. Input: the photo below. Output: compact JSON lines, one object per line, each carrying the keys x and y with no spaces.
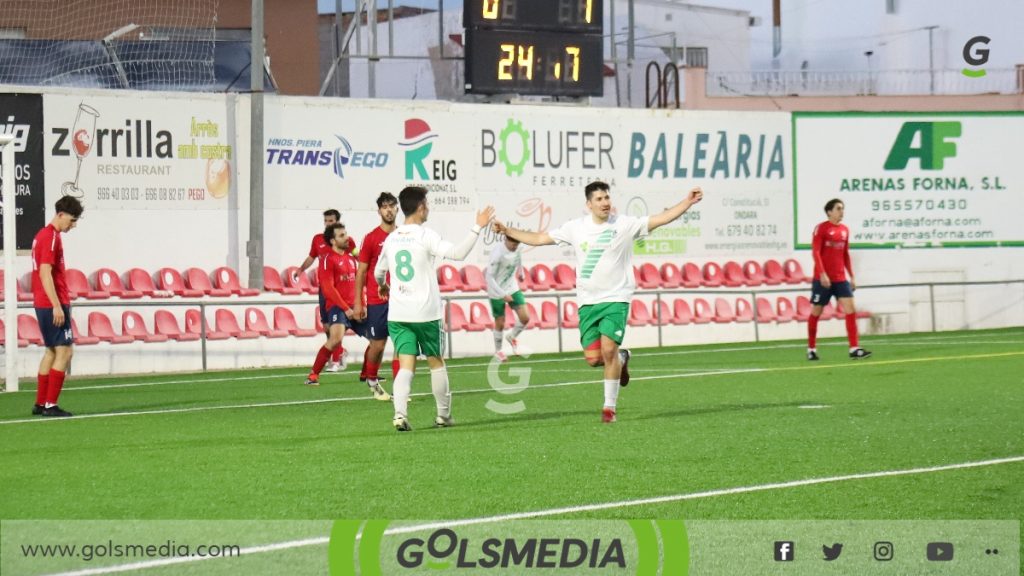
{"x":402,"y":388}
{"x":812,"y":349}
{"x":497,"y":340}
{"x":443,"y":396}
{"x":611,"y":393}
{"x":517,"y":330}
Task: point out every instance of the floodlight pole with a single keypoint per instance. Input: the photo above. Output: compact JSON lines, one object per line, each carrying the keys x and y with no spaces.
{"x":254,"y":247}
{"x":10,"y":276}
{"x":126,"y":29}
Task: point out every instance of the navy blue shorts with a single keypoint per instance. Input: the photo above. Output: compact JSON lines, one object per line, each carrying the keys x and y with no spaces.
{"x":820,"y":296}
{"x":337,"y":316}
{"x":377,"y":322}
{"x":54,"y":336}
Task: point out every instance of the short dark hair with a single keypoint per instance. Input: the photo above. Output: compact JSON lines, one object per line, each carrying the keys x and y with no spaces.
{"x":331,"y":230}
{"x":332,"y":212}
{"x":69,"y":205}
{"x":594,"y":187}
{"x":832,"y":204}
{"x":386,"y":198}
{"x":410,"y":198}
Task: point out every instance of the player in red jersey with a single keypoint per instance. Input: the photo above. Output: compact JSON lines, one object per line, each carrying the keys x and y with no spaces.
{"x":53,"y":305}
{"x":831,"y":249}
{"x":375,"y":313}
{"x":316,"y":249}
{"x":337,"y":274}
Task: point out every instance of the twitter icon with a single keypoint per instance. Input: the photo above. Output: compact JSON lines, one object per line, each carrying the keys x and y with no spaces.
{"x":832,"y":552}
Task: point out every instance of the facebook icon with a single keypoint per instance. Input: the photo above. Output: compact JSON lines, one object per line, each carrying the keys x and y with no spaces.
{"x":784,"y":551}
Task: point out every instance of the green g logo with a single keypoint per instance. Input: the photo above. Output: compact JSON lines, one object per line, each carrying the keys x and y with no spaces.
{"x":976,"y":56}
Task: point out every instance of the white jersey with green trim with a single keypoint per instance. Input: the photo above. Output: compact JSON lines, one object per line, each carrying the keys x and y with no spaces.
{"x":604,"y":256}
{"x":501,"y":272}
{"x":410,"y":253}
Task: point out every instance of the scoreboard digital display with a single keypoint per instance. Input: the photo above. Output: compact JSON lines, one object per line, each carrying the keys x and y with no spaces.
{"x":534,"y":47}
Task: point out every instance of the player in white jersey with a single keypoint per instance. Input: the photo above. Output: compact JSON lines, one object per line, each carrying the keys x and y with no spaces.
{"x":414,"y":307}
{"x":604,"y":277}
{"x":502,"y":288}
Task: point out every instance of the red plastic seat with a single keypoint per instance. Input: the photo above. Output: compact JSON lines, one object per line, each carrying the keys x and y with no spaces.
{"x":548,"y":315}
{"x":225,"y":278}
{"x":473,"y":279}
{"x":457,"y":320}
{"x":100,"y":327}
{"x":774,"y":274}
{"x":196,"y":279}
{"x":314,"y":278}
{"x":666,"y":317}
{"x":732,"y":275}
{"x":828,"y":311}
{"x":681,"y":313}
{"x":317,"y":323}
{"x":803,"y":308}
{"x":723,"y":312}
{"x":170,"y":280}
{"x":448,"y":279}
{"x":80,"y":338}
{"x":28,"y":330}
{"x":285,"y":320}
{"x":543,"y":278}
{"x":765,"y":313}
{"x":754,"y":273}
{"x":786,"y":310}
{"x":165,"y":324}
{"x":691,"y":276}
{"x":78,"y":286}
{"x":712,"y":275}
{"x":108,"y":281}
{"x":194,"y":325}
{"x":256,"y":321}
{"x":3,"y":336}
{"x":140,"y":281}
{"x":638,"y":314}
{"x":744,"y":311}
{"x":794,"y":272}
{"x":525,"y":282}
{"x":23,"y":295}
{"x":293,"y":278}
{"x":636,"y":275}
{"x":480,"y":313}
{"x":133,"y":325}
{"x":702,"y":312}
{"x":510,"y":317}
{"x":225,"y":321}
{"x":671,"y":276}
{"x":570,"y":314}
{"x":650,"y":277}
{"x":565,"y":277}
{"x":272,"y":283}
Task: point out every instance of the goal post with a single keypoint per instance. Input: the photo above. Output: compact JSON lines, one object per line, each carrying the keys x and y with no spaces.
{"x":10,"y":275}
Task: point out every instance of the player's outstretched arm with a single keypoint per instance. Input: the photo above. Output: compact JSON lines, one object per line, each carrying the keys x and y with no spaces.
{"x":462,"y":249}
{"x":659,"y":220}
{"x":528,"y":238}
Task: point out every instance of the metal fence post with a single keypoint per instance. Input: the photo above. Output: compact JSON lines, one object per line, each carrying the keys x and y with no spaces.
{"x":757,"y":327}
{"x":202,"y":331}
{"x":931,"y":297}
{"x":448,"y":324}
{"x":558,"y":303}
{"x":657,"y":302}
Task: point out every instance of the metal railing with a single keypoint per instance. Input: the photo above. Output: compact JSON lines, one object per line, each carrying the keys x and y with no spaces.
{"x":860,"y":83}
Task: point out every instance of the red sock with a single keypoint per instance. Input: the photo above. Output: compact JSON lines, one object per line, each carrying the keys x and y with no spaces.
{"x":372,"y":370}
{"x":395,"y":365}
{"x":364,"y":371}
{"x":336,"y":355}
{"x":42,"y":387}
{"x":56,"y":382}
{"x":321,"y":359}
{"x":812,"y":331}
{"x":851,"y":330}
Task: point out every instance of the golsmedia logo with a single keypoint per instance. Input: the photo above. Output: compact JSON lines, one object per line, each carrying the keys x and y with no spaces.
{"x":934,"y":145}
{"x":586,"y":546}
{"x":976,"y":56}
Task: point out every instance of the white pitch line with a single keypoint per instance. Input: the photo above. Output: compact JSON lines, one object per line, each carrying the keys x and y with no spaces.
{"x":565,"y":510}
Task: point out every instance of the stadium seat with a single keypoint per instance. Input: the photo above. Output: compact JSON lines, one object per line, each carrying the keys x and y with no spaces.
{"x":473,"y":279}
{"x":565,"y":277}
{"x":78,"y":286}
{"x":744,"y":311}
{"x":548,"y":315}
{"x":636,"y":275}
{"x":786,"y":310}
{"x":723,"y":312}
{"x":803,"y":308}
{"x":140,"y":281}
{"x":170,"y":280}
{"x":671,"y":276}
{"x":863,"y":314}
{"x":3,"y":336}
{"x":225,"y":278}
{"x":765,"y":313}
{"x":293,"y":278}
{"x":691,"y":276}
{"x":650,"y":277}
{"x":732,"y":275}
{"x":525,"y":283}
{"x":23,"y":295}
{"x":272,"y":283}
{"x":774,"y":274}
{"x":702,"y":312}
{"x":681,"y":313}
{"x":80,"y":338}
{"x":448,"y":279}
{"x":197,"y":279}
{"x":108,"y":281}
{"x":314,"y":278}
{"x":570,"y":314}
{"x":165,"y":324}
{"x":666,"y":314}
{"x":542,"y":277}
{"x":531,"y":310}
{"x":133,"y":325}
{"x":28,"y":330}
{"x":828,"y":312}
{"x":226,"y":321}
{"x":794,"y":272}
{"x":638,"y":314}
{"x":318,"y":325}
{"x":711,"y":275}
{"x":256,"y":321}
{"x":480,"y":313}
{"x":753,"y":273}
{"x":194,"y":325}
{"x":100,"y":327}
{"x":285,"y":320}
{"x":457,"y":320}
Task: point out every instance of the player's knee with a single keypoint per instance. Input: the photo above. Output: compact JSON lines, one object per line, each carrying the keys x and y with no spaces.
{"x":594,"y":361}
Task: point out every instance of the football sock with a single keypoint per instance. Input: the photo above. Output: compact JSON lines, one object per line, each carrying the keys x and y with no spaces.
{"x":611,"y":393}
{"x":53,"y":387}
{"x":321,"y":359}
{"x":497,"y":340}
{"x":395,"y":367}
{"x":371,"y":371}
{"x":336,"y":354}
{"x":443,"y":397}
{"x":518,"y":330}
{"x":42,"y":387}
{"x":363,"y":372}
{"x":812,"y":331}
{"x":851,"y":331}
{"x":401,"y":388}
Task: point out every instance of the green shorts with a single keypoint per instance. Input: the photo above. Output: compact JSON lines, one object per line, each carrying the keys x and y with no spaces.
{"x":608,"y":319}
{"x":415,"y":338}
{"x":498,"y":304}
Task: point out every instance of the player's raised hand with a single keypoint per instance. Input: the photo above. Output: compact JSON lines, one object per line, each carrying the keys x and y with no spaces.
{"x":498,"y":227}
{"x":696,"y":195}
{"x":484,"y":217}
